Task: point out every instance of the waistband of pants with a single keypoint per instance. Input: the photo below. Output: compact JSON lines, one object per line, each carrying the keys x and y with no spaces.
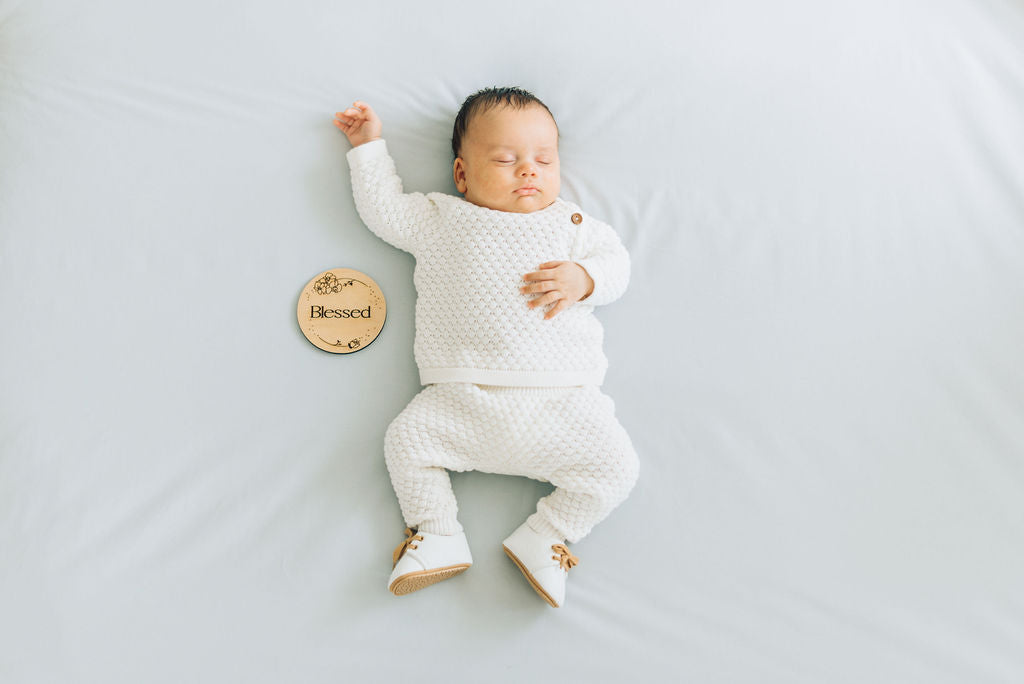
{"x":508,"y":389}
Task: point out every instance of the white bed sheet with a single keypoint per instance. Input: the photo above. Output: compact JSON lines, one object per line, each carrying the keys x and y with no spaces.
{"x":818,"y":359}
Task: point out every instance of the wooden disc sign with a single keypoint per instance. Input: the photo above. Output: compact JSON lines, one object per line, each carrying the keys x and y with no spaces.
{"x":341,"y":310}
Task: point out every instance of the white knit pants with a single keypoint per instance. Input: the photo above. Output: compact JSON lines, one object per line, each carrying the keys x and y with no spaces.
{"x":567,"y":436}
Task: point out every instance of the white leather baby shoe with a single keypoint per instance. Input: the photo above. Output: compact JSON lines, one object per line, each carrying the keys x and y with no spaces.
{"x":424,"y":558}
{"x":545,"y":561}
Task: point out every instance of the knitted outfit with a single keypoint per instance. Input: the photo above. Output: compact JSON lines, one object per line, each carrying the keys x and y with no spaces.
{"x":507,"y":391}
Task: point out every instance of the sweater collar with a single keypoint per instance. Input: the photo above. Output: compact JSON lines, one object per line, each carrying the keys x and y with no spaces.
{"x":496,"y":215}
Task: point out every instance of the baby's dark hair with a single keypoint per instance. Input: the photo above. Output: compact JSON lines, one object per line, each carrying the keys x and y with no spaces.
{"x":488,"y":98}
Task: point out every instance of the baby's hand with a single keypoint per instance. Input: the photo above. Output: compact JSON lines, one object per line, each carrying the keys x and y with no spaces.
{"x":564,"y":282}
{"x":359,"y":123}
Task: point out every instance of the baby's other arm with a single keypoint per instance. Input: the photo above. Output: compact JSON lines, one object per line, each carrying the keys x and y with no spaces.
{"x":606,"y":261}
{"x":600,"y":277}
{"x":398,"y":218}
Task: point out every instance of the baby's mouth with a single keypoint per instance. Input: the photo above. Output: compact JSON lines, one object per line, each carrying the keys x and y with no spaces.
{"x":527,"y":190}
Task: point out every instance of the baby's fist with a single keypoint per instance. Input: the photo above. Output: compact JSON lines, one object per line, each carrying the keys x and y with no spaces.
{"x":359,"y":123}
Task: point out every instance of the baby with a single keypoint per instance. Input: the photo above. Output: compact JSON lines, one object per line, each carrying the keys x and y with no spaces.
{"x":507,"y":345}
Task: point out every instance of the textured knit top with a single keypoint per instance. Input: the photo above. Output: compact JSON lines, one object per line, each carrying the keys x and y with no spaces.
{"x":472,"y":322}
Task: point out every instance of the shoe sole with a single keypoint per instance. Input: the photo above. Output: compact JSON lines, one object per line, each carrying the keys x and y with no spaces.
{"x":414,"y":581}
{"x":533,"y":583}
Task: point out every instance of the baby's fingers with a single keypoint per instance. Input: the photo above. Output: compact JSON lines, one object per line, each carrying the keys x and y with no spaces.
{"x":349,"y":116}
{"x":347,"y":127}
{"x":558,"y":308}
{"x":540,"y":286}
{"x":545,"y":299}
{"x":362,"y":111}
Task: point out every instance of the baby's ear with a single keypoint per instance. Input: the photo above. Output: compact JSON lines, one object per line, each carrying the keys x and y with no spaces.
{"x":459,"y":174}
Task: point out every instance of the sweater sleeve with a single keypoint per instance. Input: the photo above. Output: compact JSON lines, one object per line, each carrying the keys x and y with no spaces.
{"x":397,"y":218}
{"x":606,"y":261}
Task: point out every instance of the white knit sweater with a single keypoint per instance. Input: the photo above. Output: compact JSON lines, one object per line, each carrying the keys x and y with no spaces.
{"x":472,"y":322}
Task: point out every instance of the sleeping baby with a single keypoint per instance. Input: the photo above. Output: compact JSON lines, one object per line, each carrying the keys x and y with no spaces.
{"x":508,"y":348}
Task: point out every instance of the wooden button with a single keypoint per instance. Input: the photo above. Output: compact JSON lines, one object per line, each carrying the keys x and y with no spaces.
{"x":577,"y":219}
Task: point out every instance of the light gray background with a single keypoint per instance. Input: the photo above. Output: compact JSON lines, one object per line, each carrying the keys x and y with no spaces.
{"x":818,"y":359}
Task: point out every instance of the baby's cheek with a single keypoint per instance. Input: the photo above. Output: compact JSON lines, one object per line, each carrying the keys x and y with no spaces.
{"x":497,"y":183}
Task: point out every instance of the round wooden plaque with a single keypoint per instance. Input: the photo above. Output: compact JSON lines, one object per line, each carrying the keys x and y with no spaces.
{"x":341,"y":310}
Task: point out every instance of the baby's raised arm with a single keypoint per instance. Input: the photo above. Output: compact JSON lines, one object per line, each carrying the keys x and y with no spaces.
{"x":400,"y":219}
{"x":359,"y":123}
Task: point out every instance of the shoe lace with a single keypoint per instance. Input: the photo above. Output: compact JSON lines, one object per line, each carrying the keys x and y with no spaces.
{"x":407,"y":543}
{"x":566,"y":560}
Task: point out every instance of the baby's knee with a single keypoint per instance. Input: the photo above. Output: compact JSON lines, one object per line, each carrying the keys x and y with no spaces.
{"x":626,"y":471}
{"x":399,"y":441}
{"x":613,"y":476}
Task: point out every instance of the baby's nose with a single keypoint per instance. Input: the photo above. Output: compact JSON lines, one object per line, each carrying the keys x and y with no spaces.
{"x":527,"y":169}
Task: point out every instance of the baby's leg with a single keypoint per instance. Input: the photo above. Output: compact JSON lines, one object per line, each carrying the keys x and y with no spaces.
{"x":591,"y":462}
{"x":435,"y":432}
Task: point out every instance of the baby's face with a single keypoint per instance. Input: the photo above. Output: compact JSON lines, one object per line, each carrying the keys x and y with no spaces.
{"x":509,"y":160}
